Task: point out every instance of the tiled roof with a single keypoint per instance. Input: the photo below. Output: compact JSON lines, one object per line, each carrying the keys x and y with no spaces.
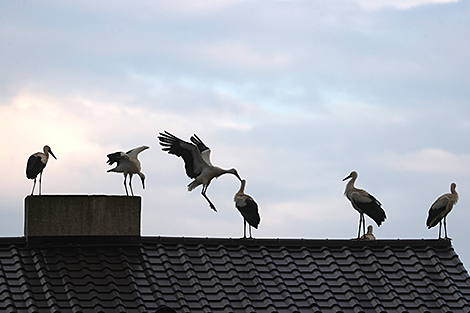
{"x":231,"y":275}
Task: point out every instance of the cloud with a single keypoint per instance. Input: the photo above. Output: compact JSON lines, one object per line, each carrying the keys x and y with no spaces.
{"x":294,"y":94}
{"x":430,"y":160}
{"x":241,"y":56}
{"x":398,"y":4}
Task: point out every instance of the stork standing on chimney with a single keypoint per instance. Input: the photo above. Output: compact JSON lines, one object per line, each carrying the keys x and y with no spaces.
{"x":128,"y":164}
{"x":36,"y":164}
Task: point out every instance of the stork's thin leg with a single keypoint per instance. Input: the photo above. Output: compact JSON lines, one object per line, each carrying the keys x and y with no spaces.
{"x":130,"y":184}
{"x":40,"y":182}
{"x":244,"y":228}
{"x":34,"y":184}
{"x":440,"y":226}
{"x":445,"y":227}
{"x":125,"y":186}
{"x":249,"y":228}
{"x":361,"y":222}
{"x":203,"y":193}
{"x":359,"y":230}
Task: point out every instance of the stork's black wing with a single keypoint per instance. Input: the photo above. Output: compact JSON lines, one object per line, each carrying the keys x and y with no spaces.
{"x":190,"y":153}
{"x":437,"y":211}
{"x":34,"y":166}
{"x":203,"y":149}
{"x":372,"y":208}
{"x":249,"y":211}
{"x":198,"y":142}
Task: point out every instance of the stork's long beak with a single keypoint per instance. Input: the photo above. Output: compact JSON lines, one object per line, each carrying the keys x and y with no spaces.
{"x":143,"y":181}
{"x":50,"y":151}
{"x":347,"y":177}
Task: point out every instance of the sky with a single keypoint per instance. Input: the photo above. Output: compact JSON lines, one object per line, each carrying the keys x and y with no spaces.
{"x":294,"y":94}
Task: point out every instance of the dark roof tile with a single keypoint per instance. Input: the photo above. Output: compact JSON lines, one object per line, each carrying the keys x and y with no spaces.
{"x":232,"y":275}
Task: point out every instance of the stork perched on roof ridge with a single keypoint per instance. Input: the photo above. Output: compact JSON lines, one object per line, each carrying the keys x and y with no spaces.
{"x":248,"y":208}
{"x":363,"y":202}
{"x":196,"y":157}
{"x":128,"y":164}
{"x":36,"y":164}
{"x":369,"y":235}
{"x":441,"y":208}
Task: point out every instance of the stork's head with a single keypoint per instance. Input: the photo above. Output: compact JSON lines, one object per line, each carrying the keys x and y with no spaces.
{"x":48,"y":150}
{"x":142,"y":178}
{"x":352,"y":175}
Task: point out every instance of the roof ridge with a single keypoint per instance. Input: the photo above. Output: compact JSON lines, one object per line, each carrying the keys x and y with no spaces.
{"x":51,"y":241}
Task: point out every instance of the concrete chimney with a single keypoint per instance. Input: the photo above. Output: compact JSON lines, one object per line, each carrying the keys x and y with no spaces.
{"x":82,"y":216}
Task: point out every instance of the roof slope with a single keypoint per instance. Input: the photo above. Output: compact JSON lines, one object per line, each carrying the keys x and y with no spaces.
{"x":233,"y":275}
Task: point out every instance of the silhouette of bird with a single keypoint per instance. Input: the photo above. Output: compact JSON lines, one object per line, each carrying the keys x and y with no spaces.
{"x":248,"y":209}
{"x":369,"y":235}
{"x":128,"y":164}
{"x":363,"y":202}
{"x":36,"y":164}
{"x":196,"y":157}
{"x":440,"y":208}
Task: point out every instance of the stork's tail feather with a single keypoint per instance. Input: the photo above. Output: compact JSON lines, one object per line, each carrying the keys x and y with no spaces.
{"x":193,"y":185}
{"x":379,"y":216}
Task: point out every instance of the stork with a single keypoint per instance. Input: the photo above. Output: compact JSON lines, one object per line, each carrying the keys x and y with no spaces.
{"x":196,"y":157}
{"x":363,"y":202}
{"x":369,"y":235}
{"x":440,"y":208}
{"x":248,"y":208}
{"x":128,"y":164}
{"x":36,"y":164}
